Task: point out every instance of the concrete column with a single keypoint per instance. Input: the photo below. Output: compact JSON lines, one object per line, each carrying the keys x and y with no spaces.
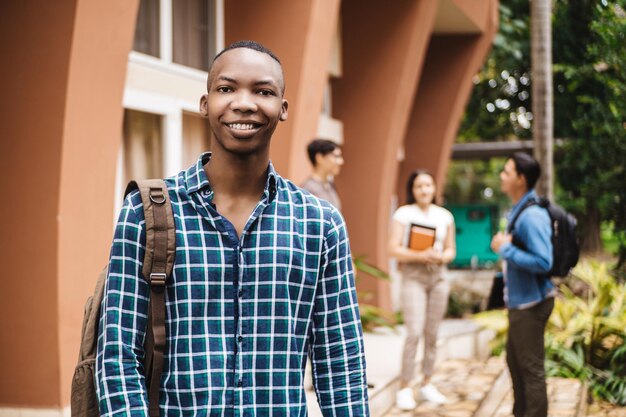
{"x":64,"y":90}
{"x":383,"y":51}
{"x":301,"y":34}
{"x":442,"y":95}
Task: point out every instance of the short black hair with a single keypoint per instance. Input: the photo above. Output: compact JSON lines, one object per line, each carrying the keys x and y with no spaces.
{"x":410,"y":198}
{"x":527,"y":166}
{"x":255,"y":46}
{"x":322,"y":146}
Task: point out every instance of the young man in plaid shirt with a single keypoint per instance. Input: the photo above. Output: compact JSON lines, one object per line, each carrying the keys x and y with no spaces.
{"x":262,"y":275}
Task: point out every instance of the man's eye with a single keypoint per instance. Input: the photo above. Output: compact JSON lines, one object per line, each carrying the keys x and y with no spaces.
{"x":224,"y":89}
{"x":266,"y":92}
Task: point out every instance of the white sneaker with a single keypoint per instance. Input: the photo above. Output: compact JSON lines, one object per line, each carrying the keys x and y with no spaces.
{"x":431,"y":394}
{"x":405,"y":400}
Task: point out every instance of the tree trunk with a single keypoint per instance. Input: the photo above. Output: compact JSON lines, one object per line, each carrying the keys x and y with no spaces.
{"x":542,"y":100}
{"x":590,"y":239}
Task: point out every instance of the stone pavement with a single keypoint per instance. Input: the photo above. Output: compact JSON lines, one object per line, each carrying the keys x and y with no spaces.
{"x":457,"y":338}
{"x":565,"y":396}
{"x":466,"y":383}
{"x":477,"y":388}
{"x":603,"y":409}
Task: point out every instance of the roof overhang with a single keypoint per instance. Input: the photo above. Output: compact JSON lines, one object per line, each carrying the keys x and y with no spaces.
{"x":463,"y":16}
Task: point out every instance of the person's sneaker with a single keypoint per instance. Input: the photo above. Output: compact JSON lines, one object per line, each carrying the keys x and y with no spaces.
{"x":405,"y":400}
{"x":431,"y":394}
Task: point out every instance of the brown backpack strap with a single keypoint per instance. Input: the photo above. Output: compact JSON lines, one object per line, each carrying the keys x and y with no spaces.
{"x":157,"y":267}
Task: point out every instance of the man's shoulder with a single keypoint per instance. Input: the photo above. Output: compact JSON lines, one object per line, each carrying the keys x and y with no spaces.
{"x":534,"y":217}
{"x":310,"y":206}
{"x":134,"y":203}
{"x":308,"y":182}
{"x":176,"y":189}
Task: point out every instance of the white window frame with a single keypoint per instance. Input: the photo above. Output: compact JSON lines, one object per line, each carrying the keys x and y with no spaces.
{"x":161,"y":95}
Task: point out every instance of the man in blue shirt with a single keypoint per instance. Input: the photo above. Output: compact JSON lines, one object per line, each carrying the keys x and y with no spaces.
{"x":529,"y":294}
{"x":262,"y":275}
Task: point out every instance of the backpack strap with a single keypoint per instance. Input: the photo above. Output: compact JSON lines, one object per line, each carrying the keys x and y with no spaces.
{"x":157,"y":266}
{"x":511,"y":225}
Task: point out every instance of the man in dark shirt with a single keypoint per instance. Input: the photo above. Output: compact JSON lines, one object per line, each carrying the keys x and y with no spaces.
{"x":327,"y":159}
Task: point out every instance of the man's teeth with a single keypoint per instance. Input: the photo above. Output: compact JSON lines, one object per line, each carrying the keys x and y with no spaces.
{"x":242,"y":126}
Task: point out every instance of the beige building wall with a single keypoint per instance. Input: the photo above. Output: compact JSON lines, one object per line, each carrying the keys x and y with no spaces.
{"x":405,"y":78}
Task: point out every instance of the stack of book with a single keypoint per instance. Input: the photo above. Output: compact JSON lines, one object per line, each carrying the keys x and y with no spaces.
{"x":421,"y":237}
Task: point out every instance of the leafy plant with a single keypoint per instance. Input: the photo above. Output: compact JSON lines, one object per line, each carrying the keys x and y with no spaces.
{"x":587,"y":332}
{"x":371,"y":315}
{"x":496,"y":320}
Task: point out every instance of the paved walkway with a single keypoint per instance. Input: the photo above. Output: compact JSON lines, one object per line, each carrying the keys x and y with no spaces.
{"x":466,"y":383}
{"x":474,"y":387}
{"x":606,"y":410}
{"x":482,"y":389}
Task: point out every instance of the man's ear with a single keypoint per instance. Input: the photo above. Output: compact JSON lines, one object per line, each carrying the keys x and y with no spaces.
{"x":318,"y":157}
{"x":204,"y":105}
{"x":522,"y":181}
{"x":283,"y":111}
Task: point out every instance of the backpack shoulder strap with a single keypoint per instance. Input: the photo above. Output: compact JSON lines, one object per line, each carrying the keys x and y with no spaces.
{"x":157,"y":267}
{"x":529,"y":203}
{"x":160,"y":229}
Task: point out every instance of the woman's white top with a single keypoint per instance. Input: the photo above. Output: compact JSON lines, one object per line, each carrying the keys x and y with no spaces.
{"x":435,"y":217}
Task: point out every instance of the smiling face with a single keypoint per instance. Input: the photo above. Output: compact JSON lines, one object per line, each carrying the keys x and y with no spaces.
{"x":424,"y":190}
{"x":245,"y":101}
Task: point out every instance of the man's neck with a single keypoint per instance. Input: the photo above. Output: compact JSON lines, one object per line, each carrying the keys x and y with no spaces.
{"x":237,"y":176}
{"x":320,"y":176}
{"x":517,"y":195}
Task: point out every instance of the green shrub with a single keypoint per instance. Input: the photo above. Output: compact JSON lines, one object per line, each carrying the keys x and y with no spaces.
{"x":587,"y":332}
{"x":496,"y":320}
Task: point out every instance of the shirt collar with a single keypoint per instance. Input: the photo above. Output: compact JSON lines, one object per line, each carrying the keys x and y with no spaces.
{"x":196,"y":178}
{"x":531,"y":194}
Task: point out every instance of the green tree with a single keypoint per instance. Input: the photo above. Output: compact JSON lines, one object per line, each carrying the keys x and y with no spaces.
{"x":590,"y":110}
{"x":499,"y":107}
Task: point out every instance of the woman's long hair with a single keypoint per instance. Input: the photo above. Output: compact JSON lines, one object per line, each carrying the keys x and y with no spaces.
{"x":410,"y":198}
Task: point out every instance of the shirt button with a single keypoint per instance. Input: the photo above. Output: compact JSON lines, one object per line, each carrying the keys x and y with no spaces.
{"x":240,"y":293}
{"x":239,"y":383}
{"x":240,"y":338}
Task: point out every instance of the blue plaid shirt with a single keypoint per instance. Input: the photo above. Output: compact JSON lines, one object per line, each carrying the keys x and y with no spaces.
{"x":241,"y":313}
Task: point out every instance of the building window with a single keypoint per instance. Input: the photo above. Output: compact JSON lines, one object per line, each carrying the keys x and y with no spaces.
{"x":147,"y":33}
{"x":191,"y":35}
{"x":143,"y":146}
{"x":196,"y":137}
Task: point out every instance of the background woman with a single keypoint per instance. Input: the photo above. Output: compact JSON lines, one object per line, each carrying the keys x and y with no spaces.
{"x":424,"y":288}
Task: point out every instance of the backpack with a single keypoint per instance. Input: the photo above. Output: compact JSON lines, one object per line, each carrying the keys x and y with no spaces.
{"x":565,"y":250}
{"x":157,"y":266}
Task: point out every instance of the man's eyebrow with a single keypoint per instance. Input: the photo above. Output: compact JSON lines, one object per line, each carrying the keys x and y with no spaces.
{"x":225,"y":78}
{"x":264,"y":82}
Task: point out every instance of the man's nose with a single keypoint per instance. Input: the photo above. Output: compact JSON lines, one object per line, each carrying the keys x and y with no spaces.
{"x":244,"y":102}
